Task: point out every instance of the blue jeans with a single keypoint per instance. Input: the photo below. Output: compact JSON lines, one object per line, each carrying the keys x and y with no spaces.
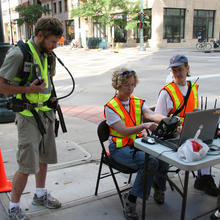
{"x":125,"y":156}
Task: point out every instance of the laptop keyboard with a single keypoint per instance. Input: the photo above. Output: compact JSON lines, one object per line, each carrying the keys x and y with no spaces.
{"x":170,"y":143}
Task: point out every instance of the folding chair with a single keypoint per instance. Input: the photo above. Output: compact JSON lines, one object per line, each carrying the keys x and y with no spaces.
{"x":103,"y":134}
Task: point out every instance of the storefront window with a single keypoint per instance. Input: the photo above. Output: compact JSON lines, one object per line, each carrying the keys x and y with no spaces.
{"x":98,"y":30}
{"x":120,"y":33}
{"x":174,"y":24}
{"x":203,"y":24}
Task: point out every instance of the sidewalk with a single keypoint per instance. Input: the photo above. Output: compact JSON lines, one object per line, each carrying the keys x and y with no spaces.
{"x":73,"y":179}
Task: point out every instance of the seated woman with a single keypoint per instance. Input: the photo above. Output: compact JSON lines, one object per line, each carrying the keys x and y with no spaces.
{"x":124,"y":113}
{"x":171,"y":101}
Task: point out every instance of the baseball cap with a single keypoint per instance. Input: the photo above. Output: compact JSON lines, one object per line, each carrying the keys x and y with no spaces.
{"x":177,"y":60}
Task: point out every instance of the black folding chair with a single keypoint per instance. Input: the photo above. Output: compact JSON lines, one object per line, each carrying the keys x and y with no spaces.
{"x":103,"y":134}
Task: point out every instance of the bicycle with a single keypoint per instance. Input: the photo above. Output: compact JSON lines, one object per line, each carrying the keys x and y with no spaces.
{"x":203,"y":45}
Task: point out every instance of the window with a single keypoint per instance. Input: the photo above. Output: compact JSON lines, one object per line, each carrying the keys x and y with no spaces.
{"x":98,"y":31}
{"x":47,"y":8}
{"x":120,"y":33}
{"x":204,"y":23}
{"x":60,"y":7}
{"x":65,"y":5}
{"x":54,"y":7}
{"x":146,"y":29}
{"x":174,"y":24}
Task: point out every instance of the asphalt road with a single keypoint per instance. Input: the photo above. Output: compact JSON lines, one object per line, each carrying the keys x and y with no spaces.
{"x":92,"y":71}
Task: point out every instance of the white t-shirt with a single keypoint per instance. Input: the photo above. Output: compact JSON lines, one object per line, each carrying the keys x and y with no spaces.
{"x":164,"y":103}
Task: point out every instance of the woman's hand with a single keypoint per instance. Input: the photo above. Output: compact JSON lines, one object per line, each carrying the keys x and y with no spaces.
{"x":150,"y":126}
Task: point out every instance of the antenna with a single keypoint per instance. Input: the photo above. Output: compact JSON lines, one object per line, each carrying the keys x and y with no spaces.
{"x":215,"y":103}
{"x":205,"y":102}
{"x":201,"y":102}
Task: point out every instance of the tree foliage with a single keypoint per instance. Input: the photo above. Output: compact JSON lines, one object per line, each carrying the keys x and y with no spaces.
{"x":105,"y":12}
{"x":30,"y":14}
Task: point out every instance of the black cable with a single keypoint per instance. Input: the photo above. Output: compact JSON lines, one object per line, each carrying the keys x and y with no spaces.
{"x":73,"y":81}
{"x":164,"y":152}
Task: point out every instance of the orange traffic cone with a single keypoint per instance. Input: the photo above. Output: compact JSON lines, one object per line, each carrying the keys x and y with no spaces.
{"x":5,"y":185}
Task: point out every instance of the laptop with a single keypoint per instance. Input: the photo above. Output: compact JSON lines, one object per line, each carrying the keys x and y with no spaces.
{"x":193,"y":120}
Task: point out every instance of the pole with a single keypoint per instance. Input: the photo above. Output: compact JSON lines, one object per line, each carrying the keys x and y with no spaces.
{"x":5,"y":114}
{"x":9,"y":10}
{"x":80,"y":39}
{"x":3,"y":46}
{"x":142,"y":48}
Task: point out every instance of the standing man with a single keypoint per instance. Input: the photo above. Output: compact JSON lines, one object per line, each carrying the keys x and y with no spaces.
{"x":30,"y":81}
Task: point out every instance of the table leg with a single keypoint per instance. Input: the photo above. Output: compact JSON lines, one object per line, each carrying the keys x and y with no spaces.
{"x":185,"y":189}
{"x":145,"y":186}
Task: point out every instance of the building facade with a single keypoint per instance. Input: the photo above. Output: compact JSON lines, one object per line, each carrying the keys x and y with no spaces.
{"x":173,"y":23}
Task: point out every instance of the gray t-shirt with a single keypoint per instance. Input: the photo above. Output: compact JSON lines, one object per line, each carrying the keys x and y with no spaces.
{"x":13,"y":64}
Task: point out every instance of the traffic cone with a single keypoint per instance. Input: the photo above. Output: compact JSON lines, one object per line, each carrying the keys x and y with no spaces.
{"x":5,"y":185}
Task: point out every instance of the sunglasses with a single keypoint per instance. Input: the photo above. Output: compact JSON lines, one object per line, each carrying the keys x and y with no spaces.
{"x":126,"y":72}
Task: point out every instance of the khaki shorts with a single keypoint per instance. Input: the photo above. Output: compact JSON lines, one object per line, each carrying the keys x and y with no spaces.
{"x":32,"y":147}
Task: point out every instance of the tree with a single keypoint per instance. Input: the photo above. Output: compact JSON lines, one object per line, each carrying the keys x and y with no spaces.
{"x":30,"y":14}
{"x":107,"y":12}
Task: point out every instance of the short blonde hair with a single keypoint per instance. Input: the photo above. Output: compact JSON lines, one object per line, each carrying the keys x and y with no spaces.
{"x":121,"y":76}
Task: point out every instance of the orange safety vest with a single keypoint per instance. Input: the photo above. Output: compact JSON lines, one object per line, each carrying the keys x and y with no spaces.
{"x":178,"y":99}
{"x":130,"y":119}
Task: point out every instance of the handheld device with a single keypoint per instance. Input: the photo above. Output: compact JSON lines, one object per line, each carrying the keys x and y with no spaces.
{"x":148,"y":140}
{"x":37,"y":73}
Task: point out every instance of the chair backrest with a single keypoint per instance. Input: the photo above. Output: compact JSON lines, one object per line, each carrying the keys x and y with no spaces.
{"x":103,"y":131}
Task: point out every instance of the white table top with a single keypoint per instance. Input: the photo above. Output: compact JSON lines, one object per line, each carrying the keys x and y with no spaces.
{"x":168,"y":155}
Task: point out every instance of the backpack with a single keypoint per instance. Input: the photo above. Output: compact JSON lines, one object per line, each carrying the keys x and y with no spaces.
{"x":28,"y":60}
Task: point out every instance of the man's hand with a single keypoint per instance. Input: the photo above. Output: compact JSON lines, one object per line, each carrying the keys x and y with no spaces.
{"x":35,"y":88}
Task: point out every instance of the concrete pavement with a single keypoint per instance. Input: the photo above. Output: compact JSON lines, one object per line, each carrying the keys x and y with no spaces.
{"x":73,"y":179}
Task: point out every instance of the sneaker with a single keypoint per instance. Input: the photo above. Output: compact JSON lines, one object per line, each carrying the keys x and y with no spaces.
{"x":129,"y":209}
{"x":207,"y":184}
{"x":213,"y":217}
{"x":159,"y":195}
{"x":47,"y":200}
{"x":17,"y":214}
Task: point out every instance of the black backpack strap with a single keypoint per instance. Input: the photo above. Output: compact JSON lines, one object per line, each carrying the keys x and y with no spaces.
{"x":178,"y":110}
{"x":27,"y":58}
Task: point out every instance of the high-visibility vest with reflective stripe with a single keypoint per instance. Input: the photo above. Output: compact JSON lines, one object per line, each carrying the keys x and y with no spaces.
{"x":130,"y":119}
{"x":178,"y":99}
{"x":44,"y":95}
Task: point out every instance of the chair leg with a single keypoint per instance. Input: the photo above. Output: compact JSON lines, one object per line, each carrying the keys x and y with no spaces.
{"x":193,"y":173}
{"x":116,"y":185}
{"x":99,"y":174}
{"x":129,"y":179}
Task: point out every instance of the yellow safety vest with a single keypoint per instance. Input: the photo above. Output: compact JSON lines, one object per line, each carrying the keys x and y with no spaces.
{"x":44,"y":95}
{"x":178,"y":99}
{"x":130,"y":119}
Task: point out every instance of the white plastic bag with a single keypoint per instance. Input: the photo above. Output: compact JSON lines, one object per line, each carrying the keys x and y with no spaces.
{"x":192,"y":150}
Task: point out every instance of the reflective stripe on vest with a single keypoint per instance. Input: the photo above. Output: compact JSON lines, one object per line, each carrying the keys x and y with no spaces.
{"x":178,"y":99}
{"x":130,"y":120}
{"x":44,"y":95}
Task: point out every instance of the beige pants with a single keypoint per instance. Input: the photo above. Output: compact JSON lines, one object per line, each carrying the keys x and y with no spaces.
{"x":32,"y":147}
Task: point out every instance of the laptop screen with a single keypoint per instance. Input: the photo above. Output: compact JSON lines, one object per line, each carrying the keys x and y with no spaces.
{"x":207,"y":118}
